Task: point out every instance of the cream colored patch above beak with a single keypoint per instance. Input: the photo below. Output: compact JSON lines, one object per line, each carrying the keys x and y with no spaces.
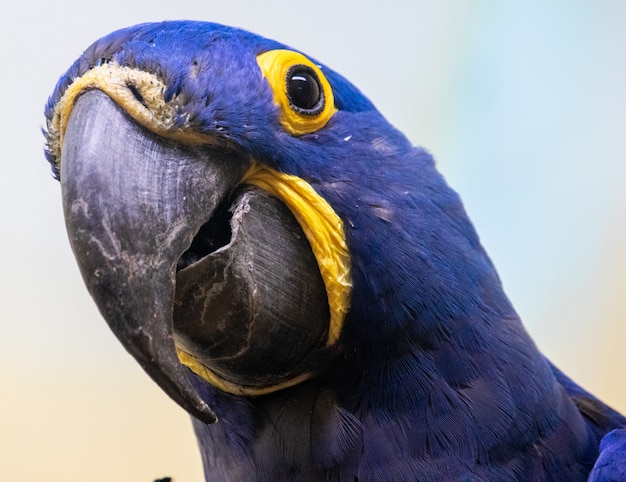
{"x":138,"y":93}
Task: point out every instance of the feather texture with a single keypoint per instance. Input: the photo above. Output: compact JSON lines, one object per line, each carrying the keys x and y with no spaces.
{"x":434,"y":376}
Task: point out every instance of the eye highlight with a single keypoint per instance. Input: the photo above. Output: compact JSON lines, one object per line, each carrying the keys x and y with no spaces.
{"x":301,"y":91}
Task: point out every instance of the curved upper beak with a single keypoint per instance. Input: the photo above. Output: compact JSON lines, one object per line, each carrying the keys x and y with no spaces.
{"x":186,"y":267}
{"x":133,"y":204}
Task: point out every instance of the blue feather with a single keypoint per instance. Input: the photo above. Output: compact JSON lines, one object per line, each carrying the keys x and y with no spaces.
{"x":436,"y":378}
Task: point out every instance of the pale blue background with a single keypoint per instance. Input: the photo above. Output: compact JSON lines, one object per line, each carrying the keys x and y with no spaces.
{"x":523,"y":104}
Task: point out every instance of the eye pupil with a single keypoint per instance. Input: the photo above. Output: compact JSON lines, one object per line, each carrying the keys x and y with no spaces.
{"x":304,"y":90}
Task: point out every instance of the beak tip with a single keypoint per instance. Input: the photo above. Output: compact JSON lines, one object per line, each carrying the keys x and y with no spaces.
{"x":209,"y":416}
{"x":205,"y":414}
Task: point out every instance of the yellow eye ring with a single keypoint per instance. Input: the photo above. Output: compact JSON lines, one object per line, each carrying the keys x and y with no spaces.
{"x":301,"y":91}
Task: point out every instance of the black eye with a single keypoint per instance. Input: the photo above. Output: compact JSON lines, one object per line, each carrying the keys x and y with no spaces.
{"x":304,"y":91}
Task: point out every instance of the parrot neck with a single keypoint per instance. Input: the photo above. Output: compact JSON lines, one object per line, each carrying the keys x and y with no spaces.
{"x":470,"y":381}
{"x":431,"y":337}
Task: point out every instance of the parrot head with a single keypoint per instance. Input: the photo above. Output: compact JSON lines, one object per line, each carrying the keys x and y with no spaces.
{"x":274,"y":253}
{"x":241,"y":212}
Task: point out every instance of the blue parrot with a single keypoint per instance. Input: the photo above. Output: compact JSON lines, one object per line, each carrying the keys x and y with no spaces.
{"x":299,"y":277}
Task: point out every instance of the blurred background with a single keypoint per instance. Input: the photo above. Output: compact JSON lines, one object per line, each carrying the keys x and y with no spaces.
{"x":523,"y":103}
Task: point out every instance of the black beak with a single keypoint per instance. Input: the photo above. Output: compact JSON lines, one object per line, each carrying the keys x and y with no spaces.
{"x":134,"y":205}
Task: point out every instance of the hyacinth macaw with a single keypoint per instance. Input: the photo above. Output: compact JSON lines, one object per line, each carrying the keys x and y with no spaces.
{"x":298,"y":276}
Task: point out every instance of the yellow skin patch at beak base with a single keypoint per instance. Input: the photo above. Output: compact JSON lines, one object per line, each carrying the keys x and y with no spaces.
{"x":324,"y":231}
{"x":234,"y":388}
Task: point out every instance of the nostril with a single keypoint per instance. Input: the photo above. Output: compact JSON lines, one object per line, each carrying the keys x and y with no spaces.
{"x":133,"y":89}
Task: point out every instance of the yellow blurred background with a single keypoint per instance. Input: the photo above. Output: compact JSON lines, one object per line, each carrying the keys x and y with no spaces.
{"x":522,"y":103}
